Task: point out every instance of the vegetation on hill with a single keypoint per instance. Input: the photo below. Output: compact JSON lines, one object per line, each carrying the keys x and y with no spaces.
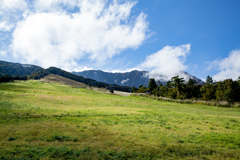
{"x":16,"y":69}
{"x":226,"y":90}
{"x":52,"y":121}
{"x":91,"y":82}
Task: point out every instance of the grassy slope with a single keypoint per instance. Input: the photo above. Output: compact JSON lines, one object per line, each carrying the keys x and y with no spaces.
{"x":53,"y":78}
{"x":45,"y":120}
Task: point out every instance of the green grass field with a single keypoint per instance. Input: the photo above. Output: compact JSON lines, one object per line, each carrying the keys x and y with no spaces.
{"x":51,"y":121}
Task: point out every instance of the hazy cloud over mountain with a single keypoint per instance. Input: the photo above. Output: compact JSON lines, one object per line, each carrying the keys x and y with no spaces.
{"x":168,"y":62}
{"x":124,"y":81}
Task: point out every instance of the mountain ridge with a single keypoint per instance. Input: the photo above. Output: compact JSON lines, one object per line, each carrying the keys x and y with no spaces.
{"x":93,"y":77}
{"x":13,"y":69}
{"x":132,"y":78}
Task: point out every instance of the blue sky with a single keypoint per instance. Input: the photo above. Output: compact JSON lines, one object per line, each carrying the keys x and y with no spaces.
{"x":201,"y":37}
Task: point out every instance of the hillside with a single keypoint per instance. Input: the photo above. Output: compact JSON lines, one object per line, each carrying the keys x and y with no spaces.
{"x":133,"y":78}
{"x":88,"y":81}
{"x":53,"y":78}
{"x":53,"y":121}
{"x":13,"y":69}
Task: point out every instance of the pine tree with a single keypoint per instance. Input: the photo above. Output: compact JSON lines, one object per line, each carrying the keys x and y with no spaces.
{"x":152,"y":84}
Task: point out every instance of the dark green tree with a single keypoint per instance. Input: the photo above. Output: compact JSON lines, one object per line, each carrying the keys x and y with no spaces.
{"x":169,"y":85}
{"x":219,"y":91}
{"x":238,"y":81}
{"x":227,"y":90}
{"x":191,"y":88}
{"x":152,"y":84}
{"x":134,"y":89}
{"x":16,"y":77}
{"x":208,"y":91}
{"x":111,"y":90}
{"x":209,"y":80}
{"x":142,"y":89}
{"x":192,"y":82}
{"x":178,"y":83}
{"x":6,"y":78}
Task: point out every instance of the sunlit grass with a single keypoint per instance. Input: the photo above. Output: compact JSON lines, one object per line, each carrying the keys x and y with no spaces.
{"x":42,"y":119}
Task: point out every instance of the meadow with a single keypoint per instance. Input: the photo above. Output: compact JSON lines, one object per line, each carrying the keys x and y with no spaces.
{"x":40,"y":120}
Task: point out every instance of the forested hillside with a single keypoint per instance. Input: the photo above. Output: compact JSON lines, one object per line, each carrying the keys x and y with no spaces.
{"x":227,"y":90}
{"x":14,"y":69}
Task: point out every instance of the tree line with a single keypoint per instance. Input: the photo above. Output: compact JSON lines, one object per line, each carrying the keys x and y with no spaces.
{"x":176,"y":88}
{"x":9,"y":78}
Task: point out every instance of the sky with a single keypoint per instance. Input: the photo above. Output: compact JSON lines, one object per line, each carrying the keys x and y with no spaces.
{"x":164,"y":37}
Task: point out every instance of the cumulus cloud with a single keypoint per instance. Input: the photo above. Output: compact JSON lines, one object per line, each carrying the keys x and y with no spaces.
{"x":10,"y":13}
{"x":43,"y":5}
{"x":96,"y":30}
{"x":124,"y":81}
{"x":167,"y":62}
{"x":4,"y":26}
{"x":228,"y":67}
{"x":12,"y":5}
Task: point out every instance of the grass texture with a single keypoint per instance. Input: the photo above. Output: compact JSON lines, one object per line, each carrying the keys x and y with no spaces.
{"x":41,"y":120}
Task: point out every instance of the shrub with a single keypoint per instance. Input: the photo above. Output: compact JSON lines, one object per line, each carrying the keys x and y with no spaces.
{"x":12,"y":138}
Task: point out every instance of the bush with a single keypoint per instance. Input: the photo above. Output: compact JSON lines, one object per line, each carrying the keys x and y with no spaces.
{"x":61,"y":138}
{"x":12,"y":138}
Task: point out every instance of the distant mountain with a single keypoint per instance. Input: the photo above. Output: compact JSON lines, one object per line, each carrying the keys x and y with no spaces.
{"x":13,"y":69}
{"x":133,"y":78}
{"x":91,"y":77}
{"x":199,"y":81}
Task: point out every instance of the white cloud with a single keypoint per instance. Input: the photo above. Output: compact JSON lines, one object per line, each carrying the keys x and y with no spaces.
{"x":122,"y":71}
{"x":98,"y":31}
{"x":4,"y":26}
{"x":124,"y":81}
{"x":229,"y":67}
{"x":12,"y":5}
{"x":80,"y":69}
{"x":167,"y":62}
{"x":54,"y":5}
{"x":3,"y":53}
{"x":10,"y":13}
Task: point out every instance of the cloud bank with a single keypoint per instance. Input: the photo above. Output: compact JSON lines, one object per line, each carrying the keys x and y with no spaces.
{"x":228,"y":67}
{"x":61,"y":32}
{"x":167,"y":62}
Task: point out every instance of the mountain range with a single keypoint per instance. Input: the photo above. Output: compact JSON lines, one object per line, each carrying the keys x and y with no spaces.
{"x":93,"y":77}
{"x":13,"y":69}
{"x":133,"y":78}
